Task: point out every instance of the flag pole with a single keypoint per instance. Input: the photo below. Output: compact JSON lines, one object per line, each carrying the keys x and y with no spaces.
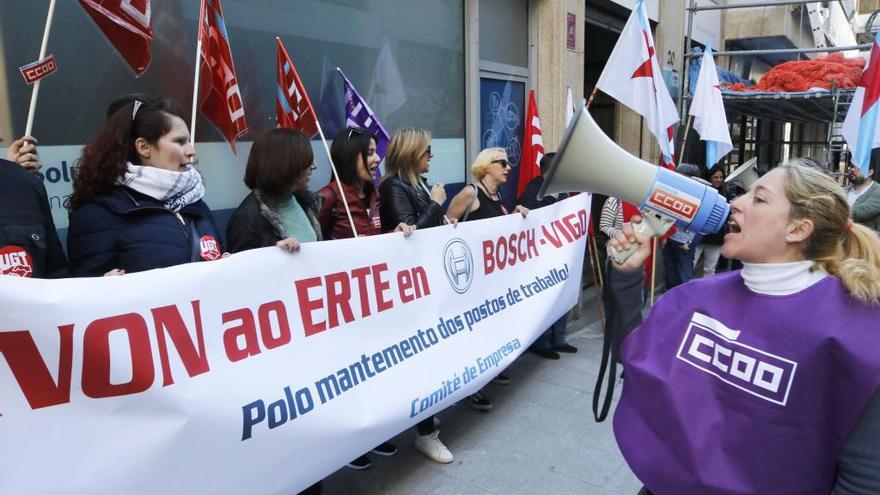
{"x":35,"y":92}
{"x":595,"y":259}
{"x":335,"y":175}
{"x":192,"y":125}
{"x":592,"y":95}
{"x":653,"y":267}
{"x":305,"y":95}
{"x":684,"y":139}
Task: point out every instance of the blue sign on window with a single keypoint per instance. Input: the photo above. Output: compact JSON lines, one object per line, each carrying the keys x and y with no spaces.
{"x":502,"y":113}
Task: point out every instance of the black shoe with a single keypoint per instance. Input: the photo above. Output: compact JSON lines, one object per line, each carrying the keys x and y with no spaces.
{"x":547,"y":354}
{"x":384,"y":449}
{"x":501,"y":379}
{"x":480,"y":403}
{"x":359,"y":464}
{"x":568,"y":348}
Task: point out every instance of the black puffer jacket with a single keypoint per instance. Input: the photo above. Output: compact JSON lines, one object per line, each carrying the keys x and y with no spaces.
{"x":26,"y":225}
{"x":401,"y":202}
{"x":255,"y":225}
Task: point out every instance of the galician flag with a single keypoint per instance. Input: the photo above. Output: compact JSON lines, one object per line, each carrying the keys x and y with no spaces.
{"x":359,"y":114}
{"x":860,"y":126}
{"x":708,"y":112}
{"x":632,"y":76}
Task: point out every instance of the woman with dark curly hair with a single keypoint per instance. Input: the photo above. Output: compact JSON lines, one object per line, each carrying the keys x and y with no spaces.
{"x":137,"y":200}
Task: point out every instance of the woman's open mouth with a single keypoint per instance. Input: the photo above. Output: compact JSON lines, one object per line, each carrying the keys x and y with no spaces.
{"x":733,"y":227}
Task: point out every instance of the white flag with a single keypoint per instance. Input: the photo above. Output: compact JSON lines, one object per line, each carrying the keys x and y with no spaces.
{"x":387,"y":92}
{"x":708,"y":111}
{"x":632,"y":76}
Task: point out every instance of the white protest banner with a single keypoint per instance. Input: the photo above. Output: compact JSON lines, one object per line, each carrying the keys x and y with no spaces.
{"x":265,"y":371}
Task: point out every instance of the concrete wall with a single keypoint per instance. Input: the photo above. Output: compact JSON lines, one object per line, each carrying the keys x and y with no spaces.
{"x":767,"y":22}
{"x":558,"y":67}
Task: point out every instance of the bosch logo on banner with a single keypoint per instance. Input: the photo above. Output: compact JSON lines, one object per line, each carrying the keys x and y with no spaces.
{"x":35,"y":71}
{"x":459,"y":265}
{"x":711,"y":347}
{"x":673,"y":202}
{"x":16,"y":261}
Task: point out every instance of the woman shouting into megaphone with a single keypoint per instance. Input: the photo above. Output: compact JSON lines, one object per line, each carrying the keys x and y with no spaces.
{"x":763,"y":380}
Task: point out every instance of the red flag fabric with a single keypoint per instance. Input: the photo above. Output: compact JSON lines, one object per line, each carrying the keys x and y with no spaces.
{"x":221,"y":99}
{"x":127,"y":24}
{"x":533,"y":146}
{"x":292,"y":105}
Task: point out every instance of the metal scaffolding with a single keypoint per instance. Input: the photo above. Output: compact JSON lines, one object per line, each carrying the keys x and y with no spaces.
{"x":828,"y":107}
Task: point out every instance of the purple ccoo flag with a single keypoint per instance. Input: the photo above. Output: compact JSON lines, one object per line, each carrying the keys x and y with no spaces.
{"x":359,"y":114}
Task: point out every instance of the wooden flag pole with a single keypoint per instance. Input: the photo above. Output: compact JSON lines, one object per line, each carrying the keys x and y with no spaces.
{"x":35,"y":92}
{"x":684,"y":139}
{"x":595,"y":259}
{"x":687,"y":129}
{"x":195,"y":100}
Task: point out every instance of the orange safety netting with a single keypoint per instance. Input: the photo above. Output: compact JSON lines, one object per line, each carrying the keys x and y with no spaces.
{"x":802,"y":75}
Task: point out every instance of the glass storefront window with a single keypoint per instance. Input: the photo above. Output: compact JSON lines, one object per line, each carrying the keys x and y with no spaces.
{"x":406,"y":59}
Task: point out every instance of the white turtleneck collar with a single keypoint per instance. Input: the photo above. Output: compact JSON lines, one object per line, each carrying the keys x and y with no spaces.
{"x":781,"y":279}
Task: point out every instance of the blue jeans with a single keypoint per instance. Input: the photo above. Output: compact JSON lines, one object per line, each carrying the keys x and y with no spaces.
{"x":679,"y":263}
{"x":553,"y":337}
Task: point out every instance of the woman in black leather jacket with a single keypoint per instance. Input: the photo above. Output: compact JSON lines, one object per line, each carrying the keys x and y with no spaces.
{"x":405,"y":197}
{"x":405,"y":194}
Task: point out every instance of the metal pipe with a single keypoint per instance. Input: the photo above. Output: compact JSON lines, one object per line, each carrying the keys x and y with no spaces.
{"x":685,"y":63}
{"x":866,"y":46}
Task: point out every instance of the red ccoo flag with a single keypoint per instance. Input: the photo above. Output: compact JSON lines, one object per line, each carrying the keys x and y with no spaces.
{"x":127,"y":25}
{"x":292,"y":105}
{"x":221,"y":98}
{"x":533,"y":147}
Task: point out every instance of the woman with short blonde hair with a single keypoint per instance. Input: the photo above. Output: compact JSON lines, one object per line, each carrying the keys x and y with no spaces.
{"x":482,"y":199}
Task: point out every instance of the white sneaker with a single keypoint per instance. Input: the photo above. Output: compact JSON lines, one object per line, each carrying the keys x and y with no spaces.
{"x":433,"y":448}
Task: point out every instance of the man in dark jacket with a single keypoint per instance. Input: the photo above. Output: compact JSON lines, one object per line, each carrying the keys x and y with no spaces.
{"x":551,"y":342}
{"x":29,"y":244}
{"x":529,"y":196}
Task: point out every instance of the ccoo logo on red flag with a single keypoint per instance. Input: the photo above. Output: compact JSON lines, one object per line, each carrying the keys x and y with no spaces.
{"x":221,"y":97}
{"x":128,"y":25}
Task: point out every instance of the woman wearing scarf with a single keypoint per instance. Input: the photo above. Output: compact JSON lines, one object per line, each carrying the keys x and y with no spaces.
{"x":280,"y":210}
{"x":137,"y":200}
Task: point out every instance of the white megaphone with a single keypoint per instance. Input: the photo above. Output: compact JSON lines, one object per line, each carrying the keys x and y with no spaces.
{"x":746,"y":174}
{"x":589,"y":161}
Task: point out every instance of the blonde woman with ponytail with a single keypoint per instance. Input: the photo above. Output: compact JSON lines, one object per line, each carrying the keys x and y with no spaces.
{"x":763,"y":380}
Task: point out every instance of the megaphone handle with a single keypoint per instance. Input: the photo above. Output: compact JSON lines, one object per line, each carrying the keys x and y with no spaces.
{"x":652,"y":224}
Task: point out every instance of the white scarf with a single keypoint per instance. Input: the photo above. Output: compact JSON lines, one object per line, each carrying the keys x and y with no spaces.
{"x":174,"y":189}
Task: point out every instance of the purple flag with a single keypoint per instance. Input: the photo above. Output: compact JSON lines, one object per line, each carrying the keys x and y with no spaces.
{"x":359,"y":114}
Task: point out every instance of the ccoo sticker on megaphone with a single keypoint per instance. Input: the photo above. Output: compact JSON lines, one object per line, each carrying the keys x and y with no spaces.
{"x":589,"y":161}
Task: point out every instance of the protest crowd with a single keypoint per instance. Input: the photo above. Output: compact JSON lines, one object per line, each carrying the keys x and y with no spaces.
{"x":796,"y":410}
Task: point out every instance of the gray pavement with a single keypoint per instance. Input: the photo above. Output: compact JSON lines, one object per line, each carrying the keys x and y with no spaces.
{"x":539,"y":438}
